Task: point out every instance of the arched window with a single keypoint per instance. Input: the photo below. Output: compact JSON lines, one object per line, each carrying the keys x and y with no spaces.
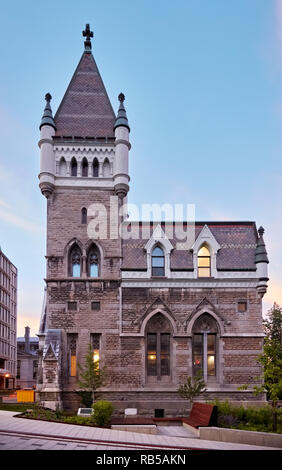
{"x":95,"y":168}
{"x":84,"y":167}
{"x":205,"y":333}
{"x":75,"y":261}
{"x":158,"y":262}
{"x":158,"y":346}
{"x":62,"y":167}
{"x":204,"y":262}
{"x":84,"y":215}
{"x":73,"y":167}
{"x":93,"y":262}
{"x":106,"y":168}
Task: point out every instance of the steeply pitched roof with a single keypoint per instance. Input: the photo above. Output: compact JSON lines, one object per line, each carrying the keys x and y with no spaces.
{"x":237,"y":241}
{"x":85,"y":110}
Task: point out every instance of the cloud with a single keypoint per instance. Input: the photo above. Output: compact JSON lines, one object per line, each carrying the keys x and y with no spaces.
{"x":20,"y":222}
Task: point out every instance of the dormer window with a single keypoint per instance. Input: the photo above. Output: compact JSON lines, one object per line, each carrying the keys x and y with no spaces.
{"x":158,"y":262}
{"x":204,"y":262}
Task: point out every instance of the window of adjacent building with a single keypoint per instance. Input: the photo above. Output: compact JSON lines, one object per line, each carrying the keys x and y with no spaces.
{"x":204,"y":346}
{"x":158,"y":262}
{"x":84,"y":215}
{"x":158,"y":345}
{"x":18,"y":369}
{"x":204,"y":262}
{"x":75,"y":261}
{"x":35,"y":367}
{"x":242,"y":306}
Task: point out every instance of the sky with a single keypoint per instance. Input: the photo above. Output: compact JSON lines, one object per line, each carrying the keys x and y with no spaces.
{"x":203,"y":87}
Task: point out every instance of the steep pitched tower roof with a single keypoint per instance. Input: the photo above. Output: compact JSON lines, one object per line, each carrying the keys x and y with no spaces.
{"x":85,"y":110}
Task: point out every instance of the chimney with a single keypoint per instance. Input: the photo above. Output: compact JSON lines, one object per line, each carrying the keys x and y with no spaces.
{"x":26,"y":338}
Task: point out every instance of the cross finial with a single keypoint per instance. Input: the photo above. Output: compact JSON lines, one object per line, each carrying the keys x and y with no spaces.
{"x":88,"y":34}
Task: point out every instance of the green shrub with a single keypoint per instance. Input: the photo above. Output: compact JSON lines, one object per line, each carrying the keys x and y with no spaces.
{"x":251,"y":418}
{"x":103,"y":411}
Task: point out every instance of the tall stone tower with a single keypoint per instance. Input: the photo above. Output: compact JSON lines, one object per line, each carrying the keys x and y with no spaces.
{"x":83,"y":166}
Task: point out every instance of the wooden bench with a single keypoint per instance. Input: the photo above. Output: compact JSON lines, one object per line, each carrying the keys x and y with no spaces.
{"x":202,"y":415}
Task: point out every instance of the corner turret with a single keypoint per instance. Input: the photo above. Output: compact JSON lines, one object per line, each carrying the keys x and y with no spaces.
{"x":261,"y":261}
{"x":47,"y":162}
{"x":122,"y":144}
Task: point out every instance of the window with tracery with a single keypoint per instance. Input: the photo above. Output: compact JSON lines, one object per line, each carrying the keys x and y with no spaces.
{"x":158,"y":348}
{"x":93,"y":262}
{"x":204,"y":345}
{"x":75,"y":262}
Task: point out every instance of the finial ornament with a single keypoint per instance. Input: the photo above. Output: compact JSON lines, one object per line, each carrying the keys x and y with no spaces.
{"x":121,"y":97}
{"x":261,"y":231}
{"x":88,"y":34}
{"x":48,"y":97}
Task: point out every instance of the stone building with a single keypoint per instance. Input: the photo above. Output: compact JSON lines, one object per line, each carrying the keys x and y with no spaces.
{"x":154,"y":311}
{"x":27,"y":360}
{"x":8,"y":322}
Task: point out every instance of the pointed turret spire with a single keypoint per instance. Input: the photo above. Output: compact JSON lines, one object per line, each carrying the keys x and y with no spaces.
{"x":261,"y":253}
{"x":121,"y":119}
{"x":47,"y":118}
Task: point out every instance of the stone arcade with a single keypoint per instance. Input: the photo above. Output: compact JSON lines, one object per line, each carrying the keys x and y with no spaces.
{"x":153,"y":313}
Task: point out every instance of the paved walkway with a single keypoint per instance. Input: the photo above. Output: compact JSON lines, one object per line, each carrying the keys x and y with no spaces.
{"x":26,"y":434}
{"x":175,"y":431}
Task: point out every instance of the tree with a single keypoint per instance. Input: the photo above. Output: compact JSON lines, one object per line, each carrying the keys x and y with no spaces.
{"x":271,"y":360}
{"x":91,"y":376}
{"x":193,"y":387}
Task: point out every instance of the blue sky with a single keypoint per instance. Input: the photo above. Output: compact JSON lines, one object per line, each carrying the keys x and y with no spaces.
{"x":203,"y":86}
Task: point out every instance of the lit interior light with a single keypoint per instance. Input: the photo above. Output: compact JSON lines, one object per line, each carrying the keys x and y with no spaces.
{"x":96,"y":355}
{"x":152,"y":357}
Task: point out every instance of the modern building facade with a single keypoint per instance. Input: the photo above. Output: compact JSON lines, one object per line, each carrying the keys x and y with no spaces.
{"x":154,"y":310}
{"x":8,"y":322}
{"x":27,"y":360}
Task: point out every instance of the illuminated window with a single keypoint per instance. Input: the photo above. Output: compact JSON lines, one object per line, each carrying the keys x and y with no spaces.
{"x":158,"y":262}
{"x":158,"y":347}
{"x":72,"y":340}
{"x":242,"y":306}
{"x":204,"y":262}
{"x":95,"y":341}
{"x":73,"y":366}
{"x":204,"y":346}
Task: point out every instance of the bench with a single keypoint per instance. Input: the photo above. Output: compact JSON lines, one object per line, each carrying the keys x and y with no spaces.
{"x":202,"y":415}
